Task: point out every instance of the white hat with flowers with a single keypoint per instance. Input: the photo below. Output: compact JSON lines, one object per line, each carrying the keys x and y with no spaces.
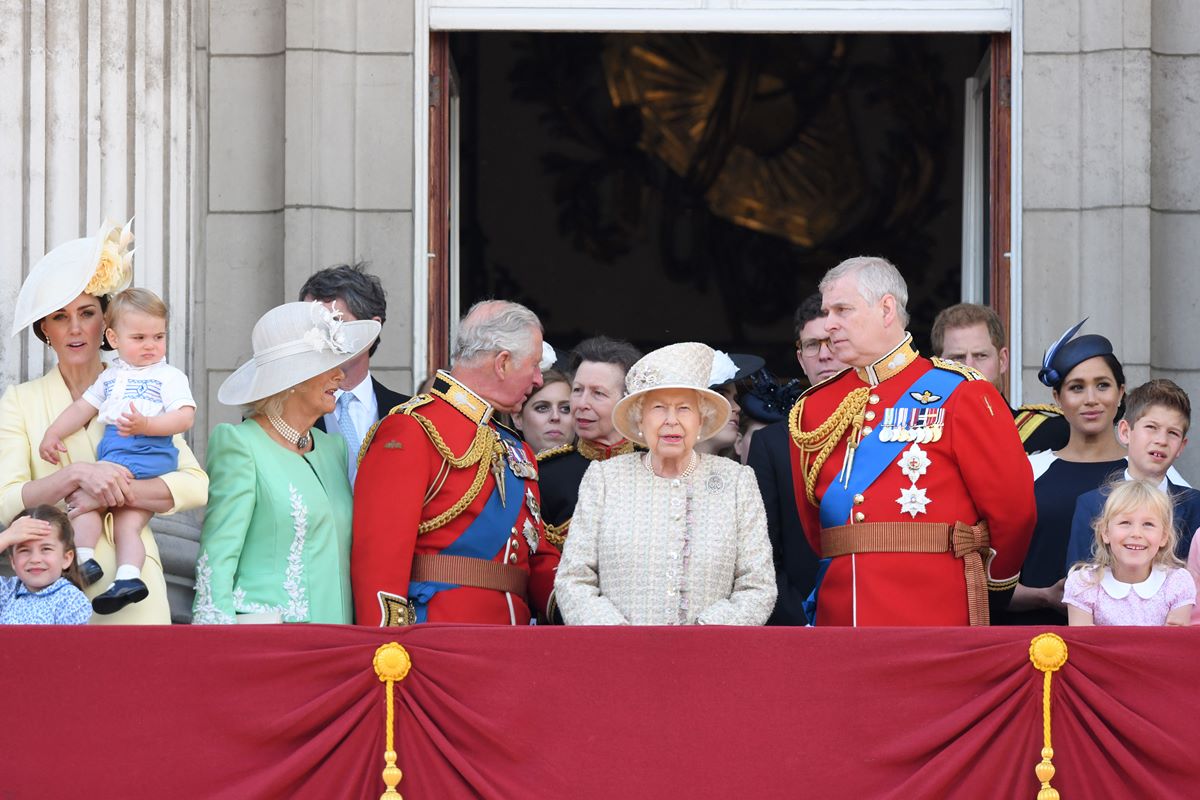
{"x":292,"y":343}
{"x":687,"y":365}
{"x":99,"y":265}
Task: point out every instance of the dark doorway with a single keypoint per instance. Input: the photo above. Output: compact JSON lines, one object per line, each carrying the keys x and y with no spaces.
{"x":671,"y":187}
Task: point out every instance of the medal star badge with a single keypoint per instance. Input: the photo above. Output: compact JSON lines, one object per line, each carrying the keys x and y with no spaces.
{"x":914,"y":463}
{"x":912,"y":501}
{"x":531,"y":536}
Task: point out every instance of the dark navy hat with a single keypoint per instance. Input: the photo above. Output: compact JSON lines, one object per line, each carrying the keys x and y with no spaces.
{"x":1067,"y":353}
{"x":767,"y":400}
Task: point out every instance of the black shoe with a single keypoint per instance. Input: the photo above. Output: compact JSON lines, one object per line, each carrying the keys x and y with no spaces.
{"x":119,"y":595}
{"x":90,"y":571}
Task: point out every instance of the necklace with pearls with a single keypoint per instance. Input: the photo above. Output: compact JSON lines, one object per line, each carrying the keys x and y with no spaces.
{"x":299,"y":440}
{"x":648,"y":461}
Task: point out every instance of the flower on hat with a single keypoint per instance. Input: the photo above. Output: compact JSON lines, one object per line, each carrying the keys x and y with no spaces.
{"x":723,"y":369}
{"x":326,"y":332}
{"x":549,"y":357}
{"x":114,"y":264}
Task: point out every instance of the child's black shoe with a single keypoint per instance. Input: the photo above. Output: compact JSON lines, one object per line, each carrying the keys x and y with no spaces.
{"x":119,"y":595}
{"x":90,"y":571}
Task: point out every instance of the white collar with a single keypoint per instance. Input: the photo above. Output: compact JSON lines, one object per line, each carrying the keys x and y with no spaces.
{"x":123,"y":364}
{"x":1119,"y":590}
{"x":1162,"y":485}
{"x":364,"y":391}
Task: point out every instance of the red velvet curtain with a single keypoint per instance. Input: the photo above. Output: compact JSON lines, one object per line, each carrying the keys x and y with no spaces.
{"x":298,"y":712}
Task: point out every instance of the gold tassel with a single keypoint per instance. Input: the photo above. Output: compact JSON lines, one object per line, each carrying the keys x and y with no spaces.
{"x":391,"y":664}
{"x":1048,"y":652}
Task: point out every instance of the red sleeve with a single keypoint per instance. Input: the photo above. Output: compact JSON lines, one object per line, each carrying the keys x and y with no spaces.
{"x":388,"y":496}
{"x":544,"y":563}
{"x":996,"y":472}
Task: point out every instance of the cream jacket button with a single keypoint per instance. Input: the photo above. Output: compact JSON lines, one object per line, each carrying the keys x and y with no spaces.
{"x":873,"y":399}
{"x":870,"y":415}
{"x":866,"y":431}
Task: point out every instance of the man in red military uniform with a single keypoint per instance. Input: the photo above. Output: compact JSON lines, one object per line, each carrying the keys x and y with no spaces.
{"x":447,"y":515}
{"x":911,"y":481}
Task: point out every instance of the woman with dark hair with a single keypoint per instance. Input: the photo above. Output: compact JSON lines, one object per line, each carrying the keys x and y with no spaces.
{"x":544,"y":420}
{"x":63,"y":302}
{"x":1089,"y":385}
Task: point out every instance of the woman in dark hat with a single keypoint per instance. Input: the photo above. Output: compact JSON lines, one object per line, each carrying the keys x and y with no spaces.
{"x":1089,"y":385}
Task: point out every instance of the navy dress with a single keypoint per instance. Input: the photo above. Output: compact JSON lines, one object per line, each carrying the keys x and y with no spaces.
{"x":1057,"y":485}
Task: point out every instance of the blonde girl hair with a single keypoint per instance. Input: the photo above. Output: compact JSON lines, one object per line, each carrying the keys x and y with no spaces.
{"x":1124,"y":497}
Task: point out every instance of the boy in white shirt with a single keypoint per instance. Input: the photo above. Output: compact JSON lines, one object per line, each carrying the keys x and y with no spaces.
{"x":143,"y":402}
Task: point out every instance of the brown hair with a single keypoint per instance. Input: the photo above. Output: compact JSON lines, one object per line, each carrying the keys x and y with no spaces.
{"x":66,"y":535}
{"x":142,"y":300}
{"x":964,"y":315}
{"x":1158,"y":392}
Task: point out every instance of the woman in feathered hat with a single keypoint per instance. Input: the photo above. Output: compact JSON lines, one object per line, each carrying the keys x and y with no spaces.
{"x":672,"y":536}
{"x":63,"y":301}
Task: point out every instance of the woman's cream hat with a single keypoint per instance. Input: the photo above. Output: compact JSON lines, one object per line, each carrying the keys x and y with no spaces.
{"x":99,"y":265}
{"x":292,"y":343}
{"x":688,"y":365}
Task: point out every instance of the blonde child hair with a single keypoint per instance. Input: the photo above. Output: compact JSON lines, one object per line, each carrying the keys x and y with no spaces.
{"x":1124,"y":497}
{"x":134,"y":299}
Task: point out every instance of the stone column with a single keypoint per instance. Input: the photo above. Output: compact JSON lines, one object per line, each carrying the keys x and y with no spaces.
{"x":1175,"y":195}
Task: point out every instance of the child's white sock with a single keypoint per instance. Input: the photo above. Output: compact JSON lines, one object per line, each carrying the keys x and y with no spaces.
{"x":83,"y":554}
{"x":127,"y":572}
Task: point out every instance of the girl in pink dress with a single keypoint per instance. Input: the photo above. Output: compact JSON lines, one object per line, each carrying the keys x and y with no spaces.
{"x":1134,"y":577}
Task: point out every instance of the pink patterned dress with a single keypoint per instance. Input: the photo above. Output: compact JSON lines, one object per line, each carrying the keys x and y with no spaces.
{"x":1113,"y":602}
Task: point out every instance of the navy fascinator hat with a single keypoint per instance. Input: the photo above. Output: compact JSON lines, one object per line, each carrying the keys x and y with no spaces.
{"x":767,"y":400}
{"x":1067,"y":353}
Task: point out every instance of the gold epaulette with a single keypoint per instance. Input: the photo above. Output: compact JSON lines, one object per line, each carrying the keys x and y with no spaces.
{"x":1042,"y":408}
{"x":554,"y":452}
{"x":557,"y":534}
{"x":412,"y":403}
{"x":970,"y":373}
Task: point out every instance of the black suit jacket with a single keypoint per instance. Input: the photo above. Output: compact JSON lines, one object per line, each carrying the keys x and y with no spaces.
{"x":795,"y":562}
{"x":385,"y":399}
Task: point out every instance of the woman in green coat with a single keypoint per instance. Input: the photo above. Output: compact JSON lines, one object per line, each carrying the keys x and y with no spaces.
{"x":276,"y":540}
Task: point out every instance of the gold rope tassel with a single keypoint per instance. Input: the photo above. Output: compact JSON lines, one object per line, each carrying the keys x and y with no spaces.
{"x":391,"y":664}
{"x":1048,"y":652}
{"x":816,"y":445}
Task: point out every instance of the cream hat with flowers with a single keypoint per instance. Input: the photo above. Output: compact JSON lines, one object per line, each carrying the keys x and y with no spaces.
{"x":688,"y":365}
{"x":99,"y":265}
{"x":292,"y":343}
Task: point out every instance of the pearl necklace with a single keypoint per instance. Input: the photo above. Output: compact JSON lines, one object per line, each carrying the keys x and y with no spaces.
{"x":687,"y":472}
{"x":300,"y":440}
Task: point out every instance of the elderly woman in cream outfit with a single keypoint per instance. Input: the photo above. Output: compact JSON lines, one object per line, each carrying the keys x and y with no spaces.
{"x":63,"y":300}
{"x":672,"y":536}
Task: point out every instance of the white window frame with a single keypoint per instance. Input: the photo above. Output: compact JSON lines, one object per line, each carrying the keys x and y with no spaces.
{"x":760,"y":16}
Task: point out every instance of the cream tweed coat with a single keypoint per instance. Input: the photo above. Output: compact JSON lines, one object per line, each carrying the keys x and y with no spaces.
{"x":645,"y":550}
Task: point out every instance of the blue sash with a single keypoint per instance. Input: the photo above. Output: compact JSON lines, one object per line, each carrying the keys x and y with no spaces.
{"x":870,"y":461}
{"x":483,"y":538}
{"x":874,"y":456}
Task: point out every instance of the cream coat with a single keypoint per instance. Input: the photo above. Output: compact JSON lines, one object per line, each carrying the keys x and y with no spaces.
{"x":26,"y":411}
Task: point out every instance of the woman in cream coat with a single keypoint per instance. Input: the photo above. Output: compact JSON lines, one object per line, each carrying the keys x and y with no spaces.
{"x":673,"y":536}
{"x":63,"y":299}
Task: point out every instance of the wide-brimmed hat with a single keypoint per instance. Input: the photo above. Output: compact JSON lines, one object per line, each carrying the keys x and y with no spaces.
{"x":688,"y":365}
{"x":292,"y":343}
{"x":1067,"y":353}
{"x":99,"y":265}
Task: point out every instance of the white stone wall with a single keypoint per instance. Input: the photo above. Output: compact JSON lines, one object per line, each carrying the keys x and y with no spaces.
{"x":310,"y":159}
{"x":1111,"y":184}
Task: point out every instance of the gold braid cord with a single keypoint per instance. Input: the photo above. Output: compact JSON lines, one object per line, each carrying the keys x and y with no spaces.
{"x":816,"y":445}
{"x":484,"y":449}
{"x":1048,"y":652}
{"x":557,"y":534}
{"x":391,"y":664}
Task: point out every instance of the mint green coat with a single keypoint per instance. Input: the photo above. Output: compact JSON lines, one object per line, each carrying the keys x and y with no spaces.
{"x":276,"y":535}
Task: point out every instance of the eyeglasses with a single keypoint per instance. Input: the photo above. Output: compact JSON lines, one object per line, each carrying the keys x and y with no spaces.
{"x":810,"y":347}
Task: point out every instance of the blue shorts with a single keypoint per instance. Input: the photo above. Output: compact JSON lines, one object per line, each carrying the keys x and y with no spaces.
{"x":144,"y":456}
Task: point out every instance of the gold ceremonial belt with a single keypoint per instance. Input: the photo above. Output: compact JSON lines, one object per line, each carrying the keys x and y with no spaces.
{"x":467,"y":571}
{"x":964,"y":541}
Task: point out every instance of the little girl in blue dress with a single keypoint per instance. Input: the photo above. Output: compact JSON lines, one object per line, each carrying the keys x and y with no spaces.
{"x":45,"y":591}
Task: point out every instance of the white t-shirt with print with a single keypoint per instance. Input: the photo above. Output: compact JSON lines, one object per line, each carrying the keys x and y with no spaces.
{"x":153,"y":390}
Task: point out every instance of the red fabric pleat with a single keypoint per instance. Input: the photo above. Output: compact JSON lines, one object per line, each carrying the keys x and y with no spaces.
{"x":490,"y":712}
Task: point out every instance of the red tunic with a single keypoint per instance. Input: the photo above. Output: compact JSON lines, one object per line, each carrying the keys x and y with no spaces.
{"x":400,"y":467}
{"x":977,"y":470}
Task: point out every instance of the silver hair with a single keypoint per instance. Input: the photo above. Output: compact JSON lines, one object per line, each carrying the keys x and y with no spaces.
{"x":491,"y":326}
{"x":637,"y":408}
{"x":876,"y":277}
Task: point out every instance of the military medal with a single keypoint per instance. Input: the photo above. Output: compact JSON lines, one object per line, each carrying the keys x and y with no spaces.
{"x":533,"y":505}
{"x":912,"y":501}
{"x":518,"y":462}
{"x":531,"y":536}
